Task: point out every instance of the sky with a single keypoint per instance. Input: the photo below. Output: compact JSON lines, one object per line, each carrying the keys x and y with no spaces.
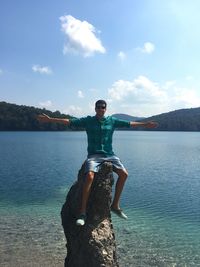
{"x":142,"y":57}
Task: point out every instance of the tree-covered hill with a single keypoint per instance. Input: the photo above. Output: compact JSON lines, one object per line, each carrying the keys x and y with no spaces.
{"x":122,"y":116}
{"x":24,"y":118}
{"x":178,"y":120}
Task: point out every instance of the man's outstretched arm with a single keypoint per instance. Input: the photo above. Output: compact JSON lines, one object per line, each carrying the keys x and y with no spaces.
{"x":45,"y":118}
{"x":146,"y":124}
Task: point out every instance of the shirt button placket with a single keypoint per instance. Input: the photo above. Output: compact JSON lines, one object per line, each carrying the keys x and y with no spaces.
{"x":101,"y":127}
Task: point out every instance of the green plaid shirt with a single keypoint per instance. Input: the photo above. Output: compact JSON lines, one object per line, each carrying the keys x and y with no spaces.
{"x":99,"y":132}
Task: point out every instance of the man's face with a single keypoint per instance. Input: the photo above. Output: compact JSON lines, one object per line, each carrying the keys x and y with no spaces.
{"x":100,"y":110}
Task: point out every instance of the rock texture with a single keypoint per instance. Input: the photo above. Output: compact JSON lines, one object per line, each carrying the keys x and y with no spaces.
{"x":91,"y":245}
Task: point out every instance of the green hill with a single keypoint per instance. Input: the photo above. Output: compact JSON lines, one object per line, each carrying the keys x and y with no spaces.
{"x":127,"y":117}
{"x":178,"y":120}
{"x":24,"y":118}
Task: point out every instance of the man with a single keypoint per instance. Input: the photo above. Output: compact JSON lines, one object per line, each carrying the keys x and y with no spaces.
{"x":99,"y":131}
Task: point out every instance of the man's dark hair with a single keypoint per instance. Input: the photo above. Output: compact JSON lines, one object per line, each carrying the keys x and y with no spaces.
{"x":101,"y":102}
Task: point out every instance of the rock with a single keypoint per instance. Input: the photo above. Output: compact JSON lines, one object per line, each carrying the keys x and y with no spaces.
{"x":91,"y":245}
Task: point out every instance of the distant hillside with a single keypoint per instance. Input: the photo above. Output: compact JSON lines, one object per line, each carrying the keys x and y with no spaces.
{"x":178,"y":120}
{"x":24,"y":118}
{"x":127,"y":117}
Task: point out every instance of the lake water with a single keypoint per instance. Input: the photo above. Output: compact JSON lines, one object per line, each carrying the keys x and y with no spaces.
{"x":161,"y":197}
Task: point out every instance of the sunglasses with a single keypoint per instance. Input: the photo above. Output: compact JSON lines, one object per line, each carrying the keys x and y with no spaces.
{"x":101,"y":107}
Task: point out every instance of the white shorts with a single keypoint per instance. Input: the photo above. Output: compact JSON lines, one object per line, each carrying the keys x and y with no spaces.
{"x":93,"y":162}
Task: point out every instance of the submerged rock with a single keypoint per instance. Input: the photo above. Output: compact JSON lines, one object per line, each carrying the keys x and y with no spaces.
{"x":91,"y":245}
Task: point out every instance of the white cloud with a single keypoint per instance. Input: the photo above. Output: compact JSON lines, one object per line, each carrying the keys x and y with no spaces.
{"x":42,"y":70}
{"x":1,"y":72}
{"x":169,"y":84}
{"x":189,"y":78}
{"x":75,"y":111}
{"x":46,"y":104}
{"x":120,"y":89}
{"x":121,"y":55}
{"x":185,"y":98}
{"x":80,"y":94}
{"x":143,"y":97}
{"x":80,"y":37}
{"x":148,"y":48}
{"x":141,"y":88}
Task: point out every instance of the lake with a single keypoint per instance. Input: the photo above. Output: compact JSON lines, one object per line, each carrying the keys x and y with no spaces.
{"x":161,"y":197}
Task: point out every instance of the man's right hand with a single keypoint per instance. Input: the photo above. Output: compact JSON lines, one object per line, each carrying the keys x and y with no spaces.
{"x":43,"y":118}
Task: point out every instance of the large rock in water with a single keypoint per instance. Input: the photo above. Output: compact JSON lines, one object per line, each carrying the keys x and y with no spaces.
{"x":91,"y":245}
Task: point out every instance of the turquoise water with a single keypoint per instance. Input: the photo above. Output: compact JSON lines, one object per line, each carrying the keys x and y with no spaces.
{"x":161,"y":197}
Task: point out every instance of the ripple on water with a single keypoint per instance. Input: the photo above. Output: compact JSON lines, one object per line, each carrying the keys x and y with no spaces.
{"x":151,"y":240}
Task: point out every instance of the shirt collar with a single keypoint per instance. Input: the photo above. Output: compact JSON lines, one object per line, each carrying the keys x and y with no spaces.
{"x":102,"y":119}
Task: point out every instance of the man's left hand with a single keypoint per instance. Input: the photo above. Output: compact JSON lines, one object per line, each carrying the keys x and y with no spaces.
{"x":151,"y":124}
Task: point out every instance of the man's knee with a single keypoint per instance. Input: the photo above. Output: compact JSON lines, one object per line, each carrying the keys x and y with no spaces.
{"x":122,"y":173}
{"x":90,"y":176}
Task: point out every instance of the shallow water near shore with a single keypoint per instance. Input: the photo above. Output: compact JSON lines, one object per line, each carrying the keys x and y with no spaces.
{"x":161,"y":197}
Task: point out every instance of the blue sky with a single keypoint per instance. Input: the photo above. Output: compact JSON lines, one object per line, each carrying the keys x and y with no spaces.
{"x":141,"y":56}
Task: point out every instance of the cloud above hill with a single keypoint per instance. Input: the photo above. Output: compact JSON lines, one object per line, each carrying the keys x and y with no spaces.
{"x":144,"y":97}
{"x":73,"y":110}
{"x":46,"y":104}
{"x":143,"y":89}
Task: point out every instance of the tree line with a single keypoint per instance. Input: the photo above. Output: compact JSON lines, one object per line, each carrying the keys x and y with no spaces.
{"x":24,"y":118}
{"x":179,"y":120}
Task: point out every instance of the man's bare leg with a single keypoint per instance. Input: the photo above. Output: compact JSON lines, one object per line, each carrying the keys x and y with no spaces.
{"x":122,"y":176}
{"x":86,"y":191}
{"x":85,"y":195}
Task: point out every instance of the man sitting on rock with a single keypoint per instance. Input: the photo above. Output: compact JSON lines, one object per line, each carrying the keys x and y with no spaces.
{"x":99,"y":131}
